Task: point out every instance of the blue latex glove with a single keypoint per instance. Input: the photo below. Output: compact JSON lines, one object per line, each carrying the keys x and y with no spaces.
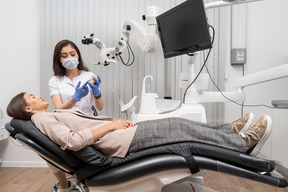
{"x":95,"y":86}
{"x":80,"y":91}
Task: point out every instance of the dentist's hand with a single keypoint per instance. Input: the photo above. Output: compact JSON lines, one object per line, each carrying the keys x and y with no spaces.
{"x":80,"y":91}
{"x":95,"y":86}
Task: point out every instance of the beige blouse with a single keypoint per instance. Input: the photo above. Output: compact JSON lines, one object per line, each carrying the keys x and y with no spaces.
{"x":70,"y":128}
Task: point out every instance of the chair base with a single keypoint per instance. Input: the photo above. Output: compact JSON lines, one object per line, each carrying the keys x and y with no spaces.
{"x":77,"y":186}
{"x":150,"y":183}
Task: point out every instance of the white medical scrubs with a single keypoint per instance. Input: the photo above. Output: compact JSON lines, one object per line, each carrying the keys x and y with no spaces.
{"x":66,"y":88}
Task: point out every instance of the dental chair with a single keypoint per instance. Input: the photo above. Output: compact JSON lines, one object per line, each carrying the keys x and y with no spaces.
{"x":147,"y":170}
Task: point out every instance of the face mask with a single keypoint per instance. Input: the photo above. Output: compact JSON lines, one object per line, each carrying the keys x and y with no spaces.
{"x":70,"y":63}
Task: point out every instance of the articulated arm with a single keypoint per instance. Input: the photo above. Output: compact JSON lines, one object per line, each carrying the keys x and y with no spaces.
{"x":262,"y":76}
{"x":145,"y":38}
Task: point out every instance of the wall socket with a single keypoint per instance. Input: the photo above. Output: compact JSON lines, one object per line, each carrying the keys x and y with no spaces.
{"x":238,"y":56}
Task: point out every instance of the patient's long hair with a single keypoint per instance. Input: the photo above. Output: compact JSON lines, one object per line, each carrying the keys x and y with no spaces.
{"x":58,"y":69}
{"x":16,"y":107}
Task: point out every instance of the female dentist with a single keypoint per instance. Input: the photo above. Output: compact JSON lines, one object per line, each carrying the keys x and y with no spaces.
{"x":69,"y":89}
{"x":69,"y":85}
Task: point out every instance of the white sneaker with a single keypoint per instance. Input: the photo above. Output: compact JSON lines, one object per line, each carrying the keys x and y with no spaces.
{"x":242,"y":124}
{"x":257,"y":135}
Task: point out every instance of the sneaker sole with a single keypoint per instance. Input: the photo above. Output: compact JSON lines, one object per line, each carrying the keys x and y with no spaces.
{"x":267,"y":133}
{"x":248,"y":124}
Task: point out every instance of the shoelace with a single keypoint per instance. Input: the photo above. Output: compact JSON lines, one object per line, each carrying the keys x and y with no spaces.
{"x":238,"y":124}
{"x":252,"y":133}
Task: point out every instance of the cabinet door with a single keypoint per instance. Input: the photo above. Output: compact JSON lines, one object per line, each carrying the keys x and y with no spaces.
{"x":280,"y":136}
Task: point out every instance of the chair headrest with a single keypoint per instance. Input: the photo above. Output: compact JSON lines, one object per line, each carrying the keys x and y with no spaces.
{"x":30,"y":130}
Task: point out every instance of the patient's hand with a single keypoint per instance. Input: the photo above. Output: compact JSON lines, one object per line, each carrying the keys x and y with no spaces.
{"x":121,"y":124}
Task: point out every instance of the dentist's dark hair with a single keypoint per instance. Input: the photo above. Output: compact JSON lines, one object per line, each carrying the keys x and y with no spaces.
{"x":16,"y":107}
{"x":58,"y":69}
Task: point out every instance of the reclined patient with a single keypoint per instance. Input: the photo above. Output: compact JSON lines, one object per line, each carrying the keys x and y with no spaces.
{"x":73,"y":130}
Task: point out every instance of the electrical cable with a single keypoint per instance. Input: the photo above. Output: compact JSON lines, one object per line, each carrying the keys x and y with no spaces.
{"x":129,"y":49}
{"x":240,"y":104}
{"x":202,"y":65}
{"x":249,"y":105}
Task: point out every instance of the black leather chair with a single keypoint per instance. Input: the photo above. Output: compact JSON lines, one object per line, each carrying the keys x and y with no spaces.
{"x":147,"y":170}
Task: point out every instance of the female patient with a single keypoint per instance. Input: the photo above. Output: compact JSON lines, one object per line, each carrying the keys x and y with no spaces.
{"x":73,"y":130}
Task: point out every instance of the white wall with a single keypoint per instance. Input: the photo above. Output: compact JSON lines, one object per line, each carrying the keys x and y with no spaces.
{"x":20,"y":57}
{"x":267,"y":47}
{"x":19,"y":68}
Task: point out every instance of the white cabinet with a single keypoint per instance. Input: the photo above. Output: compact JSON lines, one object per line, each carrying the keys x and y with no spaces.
{"x":3,"y":132}
{"x":280,"y":136}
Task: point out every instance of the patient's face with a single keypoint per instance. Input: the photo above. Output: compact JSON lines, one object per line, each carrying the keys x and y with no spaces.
{"x":35,"y":103}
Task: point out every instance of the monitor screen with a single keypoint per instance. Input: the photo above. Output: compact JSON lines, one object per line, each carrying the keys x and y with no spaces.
{"x":184,"y":29}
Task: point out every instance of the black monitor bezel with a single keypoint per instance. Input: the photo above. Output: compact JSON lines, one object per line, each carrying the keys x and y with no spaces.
{"x":206,"y":45}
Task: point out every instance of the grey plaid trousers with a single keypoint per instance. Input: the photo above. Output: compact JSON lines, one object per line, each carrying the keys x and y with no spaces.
{"x":158,"y":132}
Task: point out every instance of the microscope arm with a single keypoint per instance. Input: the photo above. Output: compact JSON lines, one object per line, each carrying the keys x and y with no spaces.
{"x":145,"y":38}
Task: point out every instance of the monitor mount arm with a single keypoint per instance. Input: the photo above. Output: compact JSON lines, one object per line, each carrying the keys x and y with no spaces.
{"x":195,"y":94}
